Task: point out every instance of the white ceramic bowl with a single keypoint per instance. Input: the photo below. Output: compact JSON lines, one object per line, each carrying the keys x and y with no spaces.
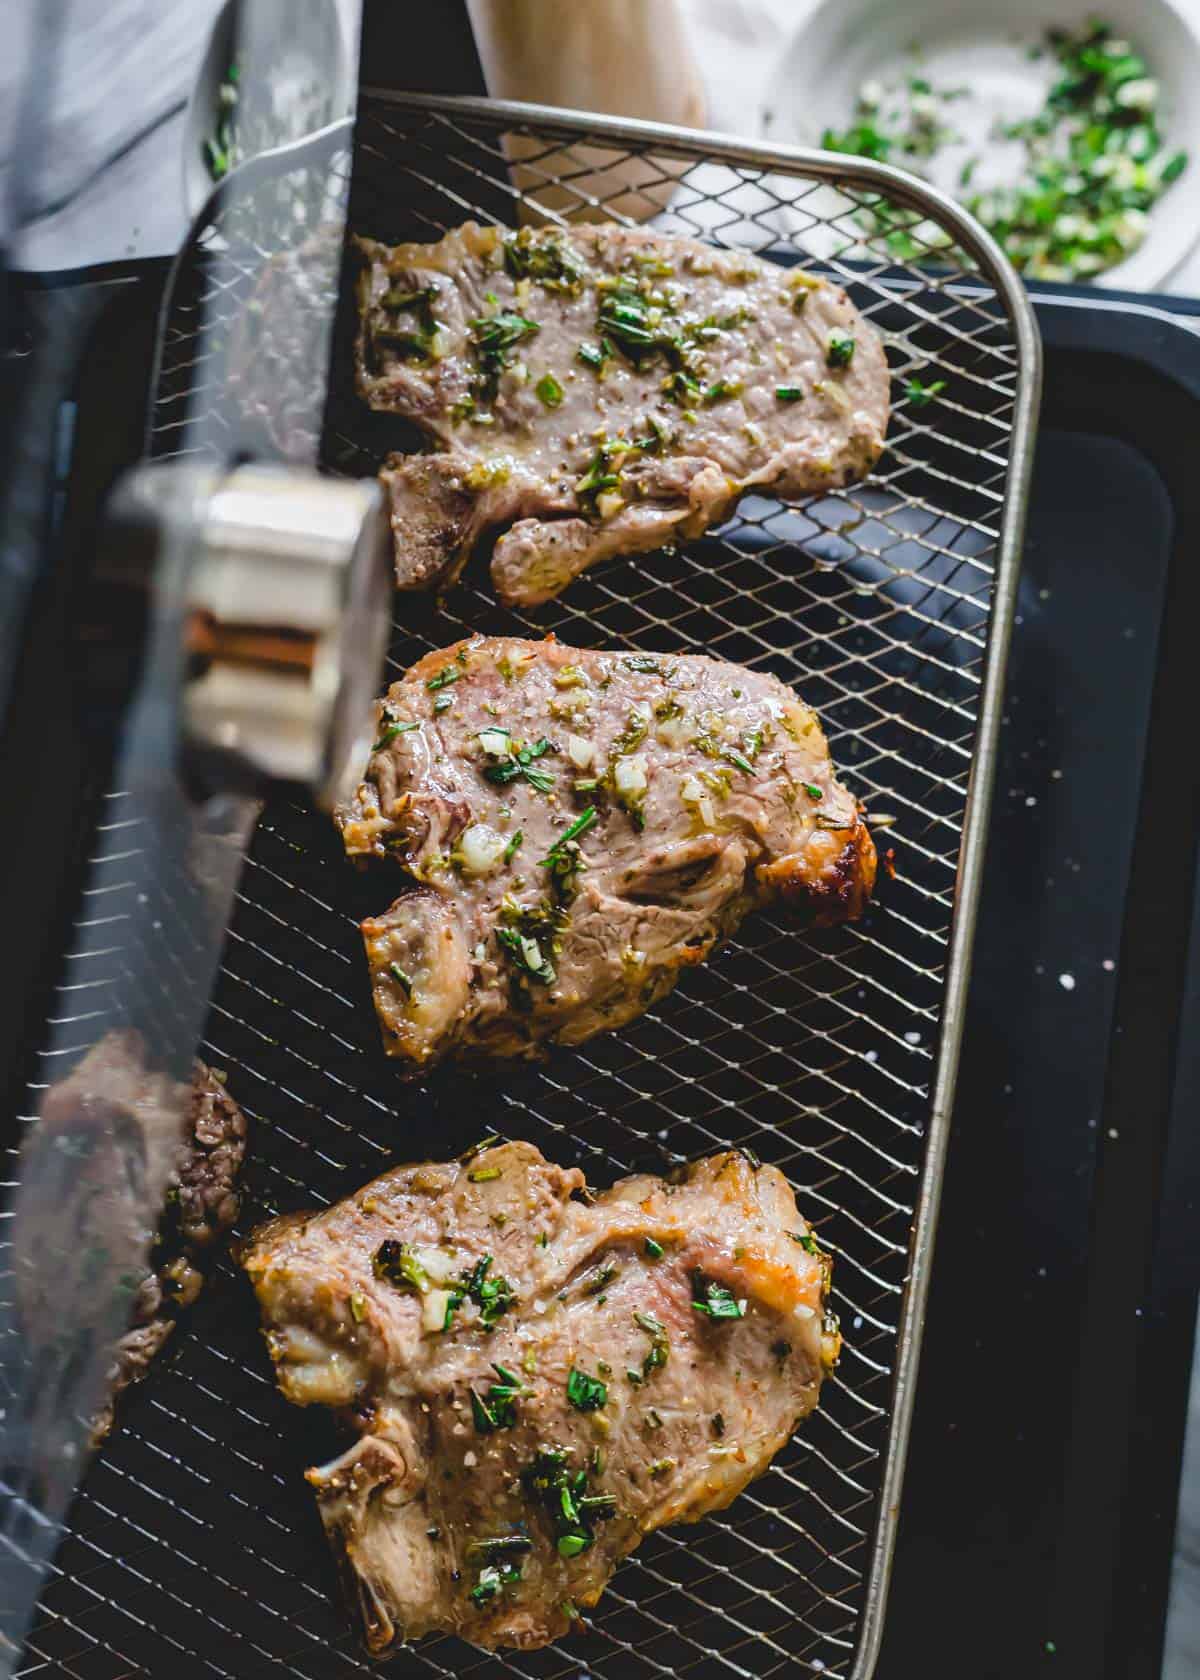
{"x":982,"y":44}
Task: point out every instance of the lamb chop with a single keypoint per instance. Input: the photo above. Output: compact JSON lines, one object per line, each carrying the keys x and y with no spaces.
{"x":535,"y":1381}
{"x":582,"y":827}
{"x":609,"y":389}
{"x":125,"y":1122}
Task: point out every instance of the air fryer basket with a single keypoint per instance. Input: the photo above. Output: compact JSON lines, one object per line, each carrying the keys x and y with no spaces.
{"x":194,"y":1546}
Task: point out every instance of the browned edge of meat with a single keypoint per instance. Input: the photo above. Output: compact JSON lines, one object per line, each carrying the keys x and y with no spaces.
{"x":492,"y":1333}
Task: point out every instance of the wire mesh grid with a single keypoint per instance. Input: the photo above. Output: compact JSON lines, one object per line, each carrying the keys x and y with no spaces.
{"x":194,"y":1546}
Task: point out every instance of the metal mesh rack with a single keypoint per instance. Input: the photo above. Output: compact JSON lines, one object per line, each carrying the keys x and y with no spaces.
{"x":194,"y":1548}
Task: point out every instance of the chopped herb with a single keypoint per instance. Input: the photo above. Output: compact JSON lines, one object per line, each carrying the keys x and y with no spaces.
{"x":499,"y":1543}
{"x":635,"y":1377}
{"x":660,"y":1344}
{"x":390,"y":734}
{"x":542,"y":1239}
{"x":789,"y":393}
{"x":599,"y":1279}
{"x":511,"y":849}
{"x":527,"y":954}
{"x":414,"y":340}
{"x":396,"y":1263}
{"x":738,"y":758}
{"x":533,"y":937}
{"x":443,"y":679}
{"x":358,"y":1307}
{"x":404,"y":981}
{"x":564,"y":859}
{"x":519,"y":763}
{"x":601,"y":474}
{"x":563,"y":1493}
{"x":492,"y":1295}
{"x":493,"y":1579}
{"x":586,"y":1394}
{"x":549,"y":390}
{"x":662,"y":1467}
{"x":484,"y":1175}
{"x":813,"y":791}
{"x":714,"y":1300}
{"x":498,"y":1409}
{"x":721,"y":390}
{"x":443,"y":703}
{"x":921,"y":395}
{"x":654,"y":1249}
{"x":642,"y":662}
{"x":807,"y":1242}
{"x":592,"y":355}
{"x":839,"y":348}
{"x":547,"y":257}
{"x":492,"y":338}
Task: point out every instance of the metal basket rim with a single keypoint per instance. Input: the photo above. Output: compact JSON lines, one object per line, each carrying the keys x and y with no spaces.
{"x":998,"y":272}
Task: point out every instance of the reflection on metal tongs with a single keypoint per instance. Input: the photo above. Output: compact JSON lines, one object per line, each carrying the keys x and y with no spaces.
{"x":252,"y":594}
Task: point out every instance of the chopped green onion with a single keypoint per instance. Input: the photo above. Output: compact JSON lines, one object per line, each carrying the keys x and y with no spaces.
{"x":789,"y":393}
{"x":390,"y":733}
{"x":586,"y":1394}
{"x":549,"y":390}
{"x":839,"y":348}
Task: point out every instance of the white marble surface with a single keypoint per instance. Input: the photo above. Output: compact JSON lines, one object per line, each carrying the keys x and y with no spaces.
{"x":109,"y":185}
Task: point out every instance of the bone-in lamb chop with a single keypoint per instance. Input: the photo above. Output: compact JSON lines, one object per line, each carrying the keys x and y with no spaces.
{"x":124,"y":1121}
{"x":536,"y":1382}
{"x":608,"y":389}
{"x":581,"y":828}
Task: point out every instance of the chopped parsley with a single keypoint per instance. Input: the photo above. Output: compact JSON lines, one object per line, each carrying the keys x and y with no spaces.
{"x":396,"y":1263}
{"x":595,"y":355}
{"x":532,"y":936}
{"x":839,"y":348}
{"x":564,"y":860}
{"x":549,"y":390}
{"x":493,"y":1578}
{"x":443,"y":678}
{"x":1088,"y":166}
{"x":390,"y":734}
{"x":414,"y":339}
{"x":492,"y":339}
{"x":519,"y":764}
{"x":527,"y":954}
{"x":546,"y":257}
{"x":921,"y":395}
{"x":660,"y":1344}
{"x":586,"y":1394}
{"x":497,"y":1409}
{"x":563,"y":1494}
{"x":492,"y":1295}
{"x":714,"y":1300}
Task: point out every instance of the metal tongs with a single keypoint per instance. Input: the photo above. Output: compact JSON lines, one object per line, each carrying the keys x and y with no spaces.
{"x":262,"y":586}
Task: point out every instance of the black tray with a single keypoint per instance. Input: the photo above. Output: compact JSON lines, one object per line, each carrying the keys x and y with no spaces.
{"x":1039,"y":1510}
